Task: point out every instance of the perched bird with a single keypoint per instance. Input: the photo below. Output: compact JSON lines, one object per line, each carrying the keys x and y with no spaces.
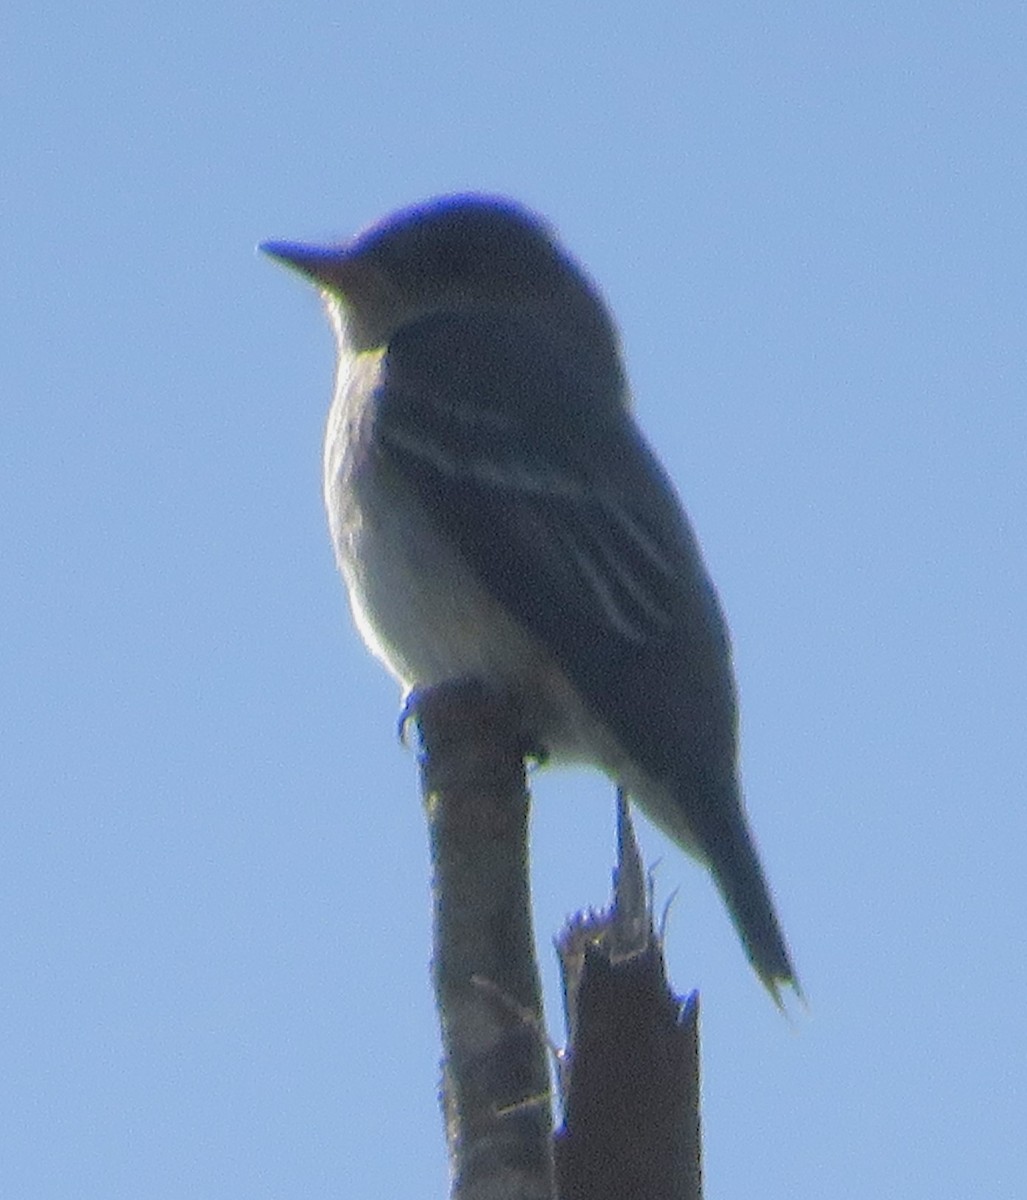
{"x":497,"y":514}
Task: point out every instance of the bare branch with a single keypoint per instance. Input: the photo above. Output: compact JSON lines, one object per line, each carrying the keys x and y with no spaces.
{"x":495,"y":1085}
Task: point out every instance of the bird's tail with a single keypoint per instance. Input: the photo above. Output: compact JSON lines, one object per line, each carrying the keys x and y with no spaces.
{"x":722,"y":836}
{"x":739,"y":877}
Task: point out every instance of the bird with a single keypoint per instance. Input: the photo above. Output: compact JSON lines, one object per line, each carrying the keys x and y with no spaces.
{"x":496,"y":513}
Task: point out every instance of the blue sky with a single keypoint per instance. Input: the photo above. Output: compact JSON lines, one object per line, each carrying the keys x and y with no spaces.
{"x":809,"y":221}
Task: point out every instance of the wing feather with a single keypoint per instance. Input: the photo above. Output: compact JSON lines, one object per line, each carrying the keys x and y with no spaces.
{"x":558,"y":505}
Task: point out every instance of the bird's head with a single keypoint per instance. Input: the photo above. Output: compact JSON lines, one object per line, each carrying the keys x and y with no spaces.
{"x":463,"y":253}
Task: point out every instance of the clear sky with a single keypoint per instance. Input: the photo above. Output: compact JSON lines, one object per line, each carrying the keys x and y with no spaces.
{"x":810,"y":222}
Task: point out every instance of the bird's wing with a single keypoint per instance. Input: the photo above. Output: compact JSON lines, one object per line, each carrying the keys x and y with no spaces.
{"x":557,"y":504}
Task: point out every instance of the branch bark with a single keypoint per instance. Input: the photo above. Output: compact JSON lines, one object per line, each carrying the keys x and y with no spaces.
{"x":631,"y":1085}
{"x":495,"y":1073}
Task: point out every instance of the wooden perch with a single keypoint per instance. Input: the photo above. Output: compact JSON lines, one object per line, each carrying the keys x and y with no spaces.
{"x":630,"y":1087}
{"x":495,"y":1073}
{"x":630,"y":1080}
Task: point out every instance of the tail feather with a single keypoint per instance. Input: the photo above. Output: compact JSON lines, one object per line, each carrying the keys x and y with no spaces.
{"x":708,"y":820}
{"x":731,"y":853}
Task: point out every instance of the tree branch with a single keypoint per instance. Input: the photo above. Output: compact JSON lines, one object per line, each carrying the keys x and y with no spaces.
{"x":495,"y":1077}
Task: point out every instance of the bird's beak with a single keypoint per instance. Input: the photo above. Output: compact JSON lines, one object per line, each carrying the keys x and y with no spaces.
{"x":353,"y":280}
{"x":331,"y":267}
